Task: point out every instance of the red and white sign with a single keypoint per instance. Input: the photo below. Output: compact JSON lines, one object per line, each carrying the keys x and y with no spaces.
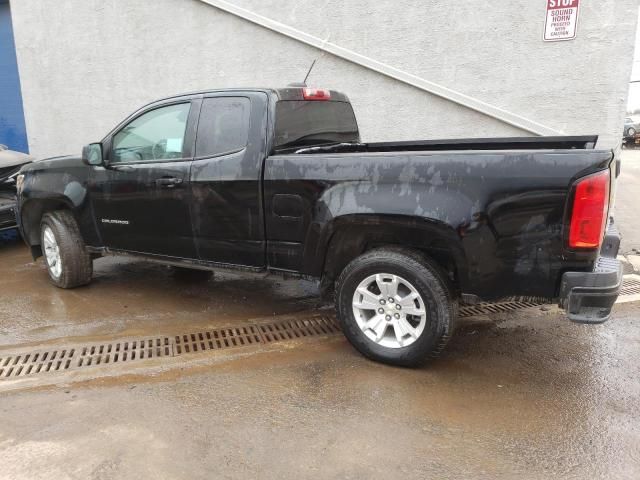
{"x":562,"y":20}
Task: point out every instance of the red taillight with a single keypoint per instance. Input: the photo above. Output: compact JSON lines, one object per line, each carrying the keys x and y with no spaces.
{"x":316,"y":94}
{"x":589,"y":213}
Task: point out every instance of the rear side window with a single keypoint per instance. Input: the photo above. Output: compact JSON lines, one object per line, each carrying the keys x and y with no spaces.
{"x":302,"y":123}
{"x":223,"y":126}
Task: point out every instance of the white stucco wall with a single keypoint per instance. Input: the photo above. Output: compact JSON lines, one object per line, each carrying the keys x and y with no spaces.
{"x":85,"y":64}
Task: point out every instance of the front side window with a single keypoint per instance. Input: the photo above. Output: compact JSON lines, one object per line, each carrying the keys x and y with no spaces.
{"x":155,"y":135}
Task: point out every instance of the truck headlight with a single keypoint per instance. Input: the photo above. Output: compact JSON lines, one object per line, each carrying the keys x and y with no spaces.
{"x":19,"y":183}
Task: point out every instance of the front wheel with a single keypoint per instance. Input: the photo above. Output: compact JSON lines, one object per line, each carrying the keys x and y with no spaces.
{"x":395,"y":307}
{"x":68,"y":263}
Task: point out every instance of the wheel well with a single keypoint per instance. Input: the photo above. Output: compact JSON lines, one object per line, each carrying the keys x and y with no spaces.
{"x":351,"y":242}
{"x":31,"y":215}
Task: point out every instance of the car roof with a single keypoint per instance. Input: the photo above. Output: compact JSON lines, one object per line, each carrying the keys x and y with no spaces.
{"x":287,"y":93}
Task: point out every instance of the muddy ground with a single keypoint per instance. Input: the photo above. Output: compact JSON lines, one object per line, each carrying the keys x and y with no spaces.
{"x":516,"y":395}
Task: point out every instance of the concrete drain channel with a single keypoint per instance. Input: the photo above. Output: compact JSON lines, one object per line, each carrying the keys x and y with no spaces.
{"x":75,"y":357}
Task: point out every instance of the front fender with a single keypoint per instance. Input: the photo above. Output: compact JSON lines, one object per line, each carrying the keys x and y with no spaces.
{"x":48,"y":187}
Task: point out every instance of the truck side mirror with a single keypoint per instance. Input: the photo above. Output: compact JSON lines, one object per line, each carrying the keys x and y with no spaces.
{"x":92,"y":154}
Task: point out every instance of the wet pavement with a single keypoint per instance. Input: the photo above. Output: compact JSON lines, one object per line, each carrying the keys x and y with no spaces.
{"x":131,"y":297}
{"x":509,"y":400}
{"x":523,"y":395}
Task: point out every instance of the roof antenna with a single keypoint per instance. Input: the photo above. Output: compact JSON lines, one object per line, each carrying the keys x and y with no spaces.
{"x":304,"y":82}
{"x":322,"y":53}
{"x":309,"y":72}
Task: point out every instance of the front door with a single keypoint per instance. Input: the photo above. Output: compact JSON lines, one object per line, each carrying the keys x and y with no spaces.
{"x":141,"y":198}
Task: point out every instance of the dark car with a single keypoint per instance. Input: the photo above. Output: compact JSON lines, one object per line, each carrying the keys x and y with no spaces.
{"x":278,"y":180}
{"x":10,"y":164}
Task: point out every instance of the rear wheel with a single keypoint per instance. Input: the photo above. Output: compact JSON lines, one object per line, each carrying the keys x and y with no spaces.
{"x":631,"y":132}
{"x":68,"y":263}
{"x":395,"y":307}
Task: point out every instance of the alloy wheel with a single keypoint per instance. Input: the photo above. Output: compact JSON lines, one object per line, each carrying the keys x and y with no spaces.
{"x":52,"y":252}
{"x":389,"y":310}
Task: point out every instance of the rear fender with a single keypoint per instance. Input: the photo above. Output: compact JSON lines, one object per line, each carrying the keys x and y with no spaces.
{"x":349,"y":236}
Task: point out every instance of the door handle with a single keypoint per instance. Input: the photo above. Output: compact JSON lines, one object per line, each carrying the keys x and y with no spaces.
{"x":168,"y":182}
{"x":122,"y":168}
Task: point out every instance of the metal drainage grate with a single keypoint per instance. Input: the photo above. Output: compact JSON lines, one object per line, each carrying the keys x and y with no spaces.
{"x":124,"y":351}
{"x":488,"y":308}
{"x":630,"y":285}
{"x":129,"y":350}
{"x":36,"y":362}
{"x":217,"y":339}
{"x":32,"y":363}
{"x":299,"y":328}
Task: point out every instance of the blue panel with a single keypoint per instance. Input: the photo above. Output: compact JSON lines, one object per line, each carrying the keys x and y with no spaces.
{"x":13,"y":132}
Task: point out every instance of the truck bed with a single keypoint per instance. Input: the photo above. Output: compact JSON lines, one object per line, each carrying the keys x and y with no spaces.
{"x":499,"y":213}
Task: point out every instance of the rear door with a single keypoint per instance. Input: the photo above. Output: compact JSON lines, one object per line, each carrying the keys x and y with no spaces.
{"x":226,"y":178}
{"x":141,"y":199}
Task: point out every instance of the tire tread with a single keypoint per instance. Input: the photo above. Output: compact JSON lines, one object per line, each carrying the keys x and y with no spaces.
{"x":77,"y":264}
{"x":440,"y":289}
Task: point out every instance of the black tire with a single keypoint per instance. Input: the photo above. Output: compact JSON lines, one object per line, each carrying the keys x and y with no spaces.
{"x":77,"y":265}
{"x":432,"y":285}
{"x":191,"y":275}
{"x":631,"y":132}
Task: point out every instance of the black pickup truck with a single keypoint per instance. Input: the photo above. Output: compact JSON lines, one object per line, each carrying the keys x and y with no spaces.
{"x":278,"y":180}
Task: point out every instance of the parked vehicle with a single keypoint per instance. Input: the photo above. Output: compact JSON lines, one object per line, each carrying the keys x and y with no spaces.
{"x":278,"y":180}
{"x":631,"y":127}
{"x":10,"y":164}
{"x":631,"y":135}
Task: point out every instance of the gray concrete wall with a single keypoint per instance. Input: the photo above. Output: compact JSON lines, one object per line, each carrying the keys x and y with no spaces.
{"x":85,"y":64}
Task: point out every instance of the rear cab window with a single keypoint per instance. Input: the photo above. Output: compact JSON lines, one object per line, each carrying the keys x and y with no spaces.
{"x":305,"y":123}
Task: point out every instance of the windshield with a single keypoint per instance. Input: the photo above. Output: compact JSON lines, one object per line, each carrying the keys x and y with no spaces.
{"x":301,"y":123}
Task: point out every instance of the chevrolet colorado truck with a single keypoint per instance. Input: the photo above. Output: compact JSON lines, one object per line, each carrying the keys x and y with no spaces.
{"x":278,"y":180}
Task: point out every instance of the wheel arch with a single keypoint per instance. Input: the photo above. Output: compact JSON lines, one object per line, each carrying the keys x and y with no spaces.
{"x":31,"y":213}
{"x":352,"y":235}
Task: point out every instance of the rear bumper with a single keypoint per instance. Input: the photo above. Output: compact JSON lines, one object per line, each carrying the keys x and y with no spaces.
{"x":588,"y":297}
